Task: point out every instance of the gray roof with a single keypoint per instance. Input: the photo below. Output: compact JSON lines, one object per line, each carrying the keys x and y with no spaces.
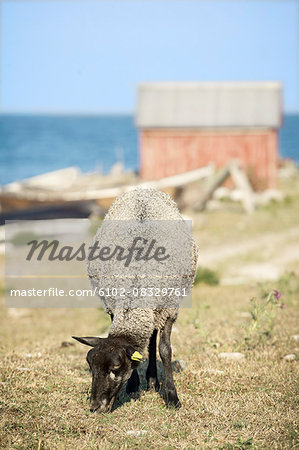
{"x":209,"y":105}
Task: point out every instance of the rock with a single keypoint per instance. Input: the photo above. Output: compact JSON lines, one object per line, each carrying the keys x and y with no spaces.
{"x":33,"y":355}
{"x":236,"y":195}
{"x":178,"y":365}
{"x":66,"y":344}
{"x":221,"y":193}
{"x":270,"y":195}
{"x":290,"y":357}
{"x":214,"y":371}
{"x":231,"y":355}
{"x":136,"y":432}
{"x":17,"y":313}
{"x":245,"y":315}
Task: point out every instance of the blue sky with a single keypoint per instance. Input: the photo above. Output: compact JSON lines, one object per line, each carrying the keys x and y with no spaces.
{"x":89,"y":56}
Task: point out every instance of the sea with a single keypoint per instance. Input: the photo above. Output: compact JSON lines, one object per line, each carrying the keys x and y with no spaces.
{"x":35,"y":144}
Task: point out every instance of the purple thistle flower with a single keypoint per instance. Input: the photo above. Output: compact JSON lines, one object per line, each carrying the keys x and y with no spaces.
{"x":283,"y":306}
{"x":277,"y":294}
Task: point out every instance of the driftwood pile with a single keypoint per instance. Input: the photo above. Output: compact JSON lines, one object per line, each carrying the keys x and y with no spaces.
{"x":69,"y":193}
{"x":240,"y":180}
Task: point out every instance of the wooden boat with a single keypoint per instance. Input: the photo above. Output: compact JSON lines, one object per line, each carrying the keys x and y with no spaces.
{"x":67,"y":192}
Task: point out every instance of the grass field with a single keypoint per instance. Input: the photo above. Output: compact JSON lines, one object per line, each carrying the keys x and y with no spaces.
{"x":249,"y":403}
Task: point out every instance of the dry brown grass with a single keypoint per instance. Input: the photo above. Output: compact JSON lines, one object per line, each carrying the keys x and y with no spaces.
{"x":224,"y":404}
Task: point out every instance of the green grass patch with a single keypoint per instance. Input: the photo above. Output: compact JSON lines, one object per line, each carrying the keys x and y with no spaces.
{"x":206,"y":276}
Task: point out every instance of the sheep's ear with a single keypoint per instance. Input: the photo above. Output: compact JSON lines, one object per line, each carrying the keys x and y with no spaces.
{"x":92,"y":341}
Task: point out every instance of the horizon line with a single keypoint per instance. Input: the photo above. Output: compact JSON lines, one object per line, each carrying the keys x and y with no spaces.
{"x":86,"y":113}
{"x":66,"y":113}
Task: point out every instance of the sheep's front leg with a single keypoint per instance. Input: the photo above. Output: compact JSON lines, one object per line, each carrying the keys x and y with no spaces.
{"x":151,"y":372}
{"x":170,"y":393}
{"x":133,"y":384}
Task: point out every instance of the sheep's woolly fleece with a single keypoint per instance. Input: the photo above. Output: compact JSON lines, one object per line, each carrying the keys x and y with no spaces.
{"x":150,"y":215}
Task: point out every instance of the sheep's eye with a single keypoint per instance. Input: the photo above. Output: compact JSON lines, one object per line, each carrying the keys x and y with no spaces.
{"x":116,"y":367}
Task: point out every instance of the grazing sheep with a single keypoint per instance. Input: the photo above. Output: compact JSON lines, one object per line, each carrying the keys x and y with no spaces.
{"x":137,"y":222}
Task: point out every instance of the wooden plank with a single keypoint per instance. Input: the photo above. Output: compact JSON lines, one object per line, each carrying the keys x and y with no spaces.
{"x":216,"y":182}
{"x":106,"y":193}
{"x":241,"y":181}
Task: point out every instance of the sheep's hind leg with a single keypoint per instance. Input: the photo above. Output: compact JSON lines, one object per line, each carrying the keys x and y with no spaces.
{"x":133,"y":384}
{"x":151,"y":372}
{"x":169,"y":393}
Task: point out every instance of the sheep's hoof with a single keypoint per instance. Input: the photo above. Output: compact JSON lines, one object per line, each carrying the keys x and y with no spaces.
{"x":134,"y":395}
{"x":171,"y":399}
{"x":153,"y":384}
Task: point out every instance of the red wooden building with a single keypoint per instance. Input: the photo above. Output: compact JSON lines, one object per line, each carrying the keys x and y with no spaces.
{"x":184,"y":126}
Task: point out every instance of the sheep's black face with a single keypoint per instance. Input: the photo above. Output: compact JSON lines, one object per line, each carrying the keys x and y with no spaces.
{"x":111,"y":362}
{"x":110,"y":369}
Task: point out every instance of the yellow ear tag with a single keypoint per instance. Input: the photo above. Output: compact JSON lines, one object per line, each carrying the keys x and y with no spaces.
{"x":136,"y":356}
